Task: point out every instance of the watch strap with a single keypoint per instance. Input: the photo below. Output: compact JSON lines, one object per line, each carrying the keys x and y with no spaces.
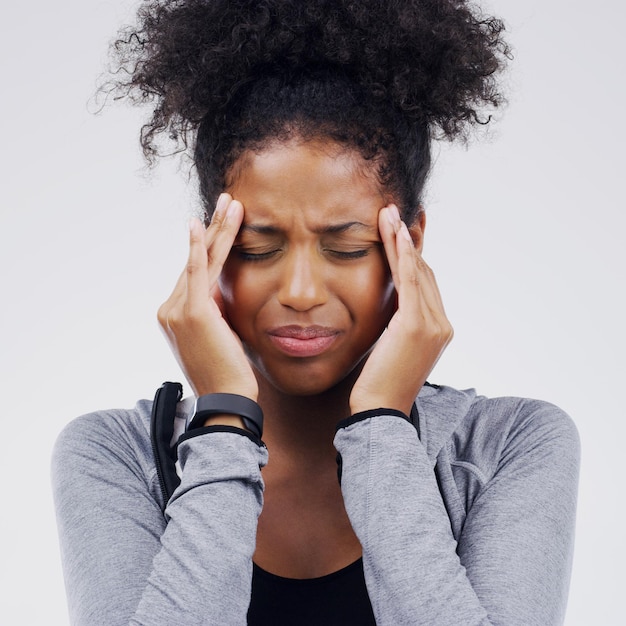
{"x":229,"y":404}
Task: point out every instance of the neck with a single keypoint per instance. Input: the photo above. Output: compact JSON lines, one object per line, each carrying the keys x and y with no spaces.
{"x":303,"y":427}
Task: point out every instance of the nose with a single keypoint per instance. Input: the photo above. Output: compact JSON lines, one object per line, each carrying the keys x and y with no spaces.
{"x":302,"y":285}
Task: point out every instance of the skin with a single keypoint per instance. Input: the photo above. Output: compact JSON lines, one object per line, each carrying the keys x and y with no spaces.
{"x":308,"y":254}
{"x":319,"y":245}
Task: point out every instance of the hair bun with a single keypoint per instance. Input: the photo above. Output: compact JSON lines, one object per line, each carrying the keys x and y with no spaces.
{"x":433,"y":60}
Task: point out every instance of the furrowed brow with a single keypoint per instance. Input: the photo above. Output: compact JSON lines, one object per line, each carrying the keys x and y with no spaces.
{"x":261,"y":229}
{"x":342,"y":228}
{"x":266,"y":229}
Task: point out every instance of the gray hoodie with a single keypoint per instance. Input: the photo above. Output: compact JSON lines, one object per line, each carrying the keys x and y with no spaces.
{"x":471,"y":522}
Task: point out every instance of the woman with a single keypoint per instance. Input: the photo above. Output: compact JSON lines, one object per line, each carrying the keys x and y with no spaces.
{"x":306,"y":300}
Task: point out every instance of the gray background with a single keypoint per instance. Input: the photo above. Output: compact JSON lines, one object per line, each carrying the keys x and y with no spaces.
{"x":525,"y":234}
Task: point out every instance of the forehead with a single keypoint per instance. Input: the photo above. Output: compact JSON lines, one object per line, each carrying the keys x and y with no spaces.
{"x":315,"y":182}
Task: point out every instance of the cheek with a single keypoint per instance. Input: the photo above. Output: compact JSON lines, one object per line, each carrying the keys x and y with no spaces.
{"x":366,"y":290}
{"x":370,"y":289}
{"x":374,"y":284}
{"x":228,"y":283}
{"x":238,"y":291}
{"x":245,"y":291}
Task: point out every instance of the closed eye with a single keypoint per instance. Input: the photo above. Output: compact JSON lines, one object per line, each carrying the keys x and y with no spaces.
{"x":348,"y":254}
{"x":249,"y":255}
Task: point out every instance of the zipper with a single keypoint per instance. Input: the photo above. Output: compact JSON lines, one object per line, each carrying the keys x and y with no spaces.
{"x":161,"y":432}
{"x":155,"y":447}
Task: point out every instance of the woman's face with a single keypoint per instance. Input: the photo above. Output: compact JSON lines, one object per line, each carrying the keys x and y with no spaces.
{"x":307,"y":286}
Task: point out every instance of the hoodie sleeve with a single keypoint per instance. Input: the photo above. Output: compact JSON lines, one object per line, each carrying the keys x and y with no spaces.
{"x":511,"y":563}
{"x":123,"y":563}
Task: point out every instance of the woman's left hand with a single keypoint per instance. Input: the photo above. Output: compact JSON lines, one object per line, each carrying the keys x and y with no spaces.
{"x":416,"y":335}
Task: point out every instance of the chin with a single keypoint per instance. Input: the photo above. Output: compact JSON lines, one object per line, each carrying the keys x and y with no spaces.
{"x":302,"y":386}
{"x":308,"y":382}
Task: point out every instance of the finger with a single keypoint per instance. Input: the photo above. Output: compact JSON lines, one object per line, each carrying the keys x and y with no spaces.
{"x":173,"y":299}
{"x":221,"y":206}
{"x":190,"y":293}
{"x":430,"y":302}
{"x":218,"y":298}
{"x":417,"y":273}
{"x":223,"y":241}
{"x":409,"y":282}
{"x":431,"y":291}
{"x":217,"y":218}
{"x":430,"y":288}
{"x":410,"y":274}
{"x":197,"y":278}
{"x":205,"y":264}
{"x":388,"y":223}
{"x":178,"y":298}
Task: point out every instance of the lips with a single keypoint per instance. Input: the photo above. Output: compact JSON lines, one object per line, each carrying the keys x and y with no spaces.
{"x":303,"y":341}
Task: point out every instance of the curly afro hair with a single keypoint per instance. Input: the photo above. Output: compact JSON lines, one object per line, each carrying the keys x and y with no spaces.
{"x":382,"y":77}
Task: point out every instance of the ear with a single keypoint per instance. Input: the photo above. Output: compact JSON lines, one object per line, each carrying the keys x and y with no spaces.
{"x":417,"y":229}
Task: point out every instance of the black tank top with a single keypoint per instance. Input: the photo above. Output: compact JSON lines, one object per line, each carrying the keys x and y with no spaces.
{"x":338,"y":599}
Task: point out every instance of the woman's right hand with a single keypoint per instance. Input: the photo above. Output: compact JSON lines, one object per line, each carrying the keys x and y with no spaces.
{"x":208,"y":350}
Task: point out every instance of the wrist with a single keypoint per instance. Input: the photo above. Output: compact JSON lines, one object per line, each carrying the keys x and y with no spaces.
{"x":225,"y":420}
{"x":361,"y":416}
{"x":376,"y":404}
{"x":227,"y":409}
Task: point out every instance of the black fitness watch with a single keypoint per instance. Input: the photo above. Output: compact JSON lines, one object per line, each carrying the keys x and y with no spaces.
{"x":232,"y":404}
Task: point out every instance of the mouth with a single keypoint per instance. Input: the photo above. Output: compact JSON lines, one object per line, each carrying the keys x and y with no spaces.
{"x":303,"y":341}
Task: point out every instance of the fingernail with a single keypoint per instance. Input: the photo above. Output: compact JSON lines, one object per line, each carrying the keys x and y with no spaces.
{"x":231,"y":208}
{"x":393,"y":215}
{"x":192,"y":223}
{"x":222,"y":203}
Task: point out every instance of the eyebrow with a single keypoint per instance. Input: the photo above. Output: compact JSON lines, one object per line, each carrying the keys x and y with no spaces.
{"x":264,"y":229}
